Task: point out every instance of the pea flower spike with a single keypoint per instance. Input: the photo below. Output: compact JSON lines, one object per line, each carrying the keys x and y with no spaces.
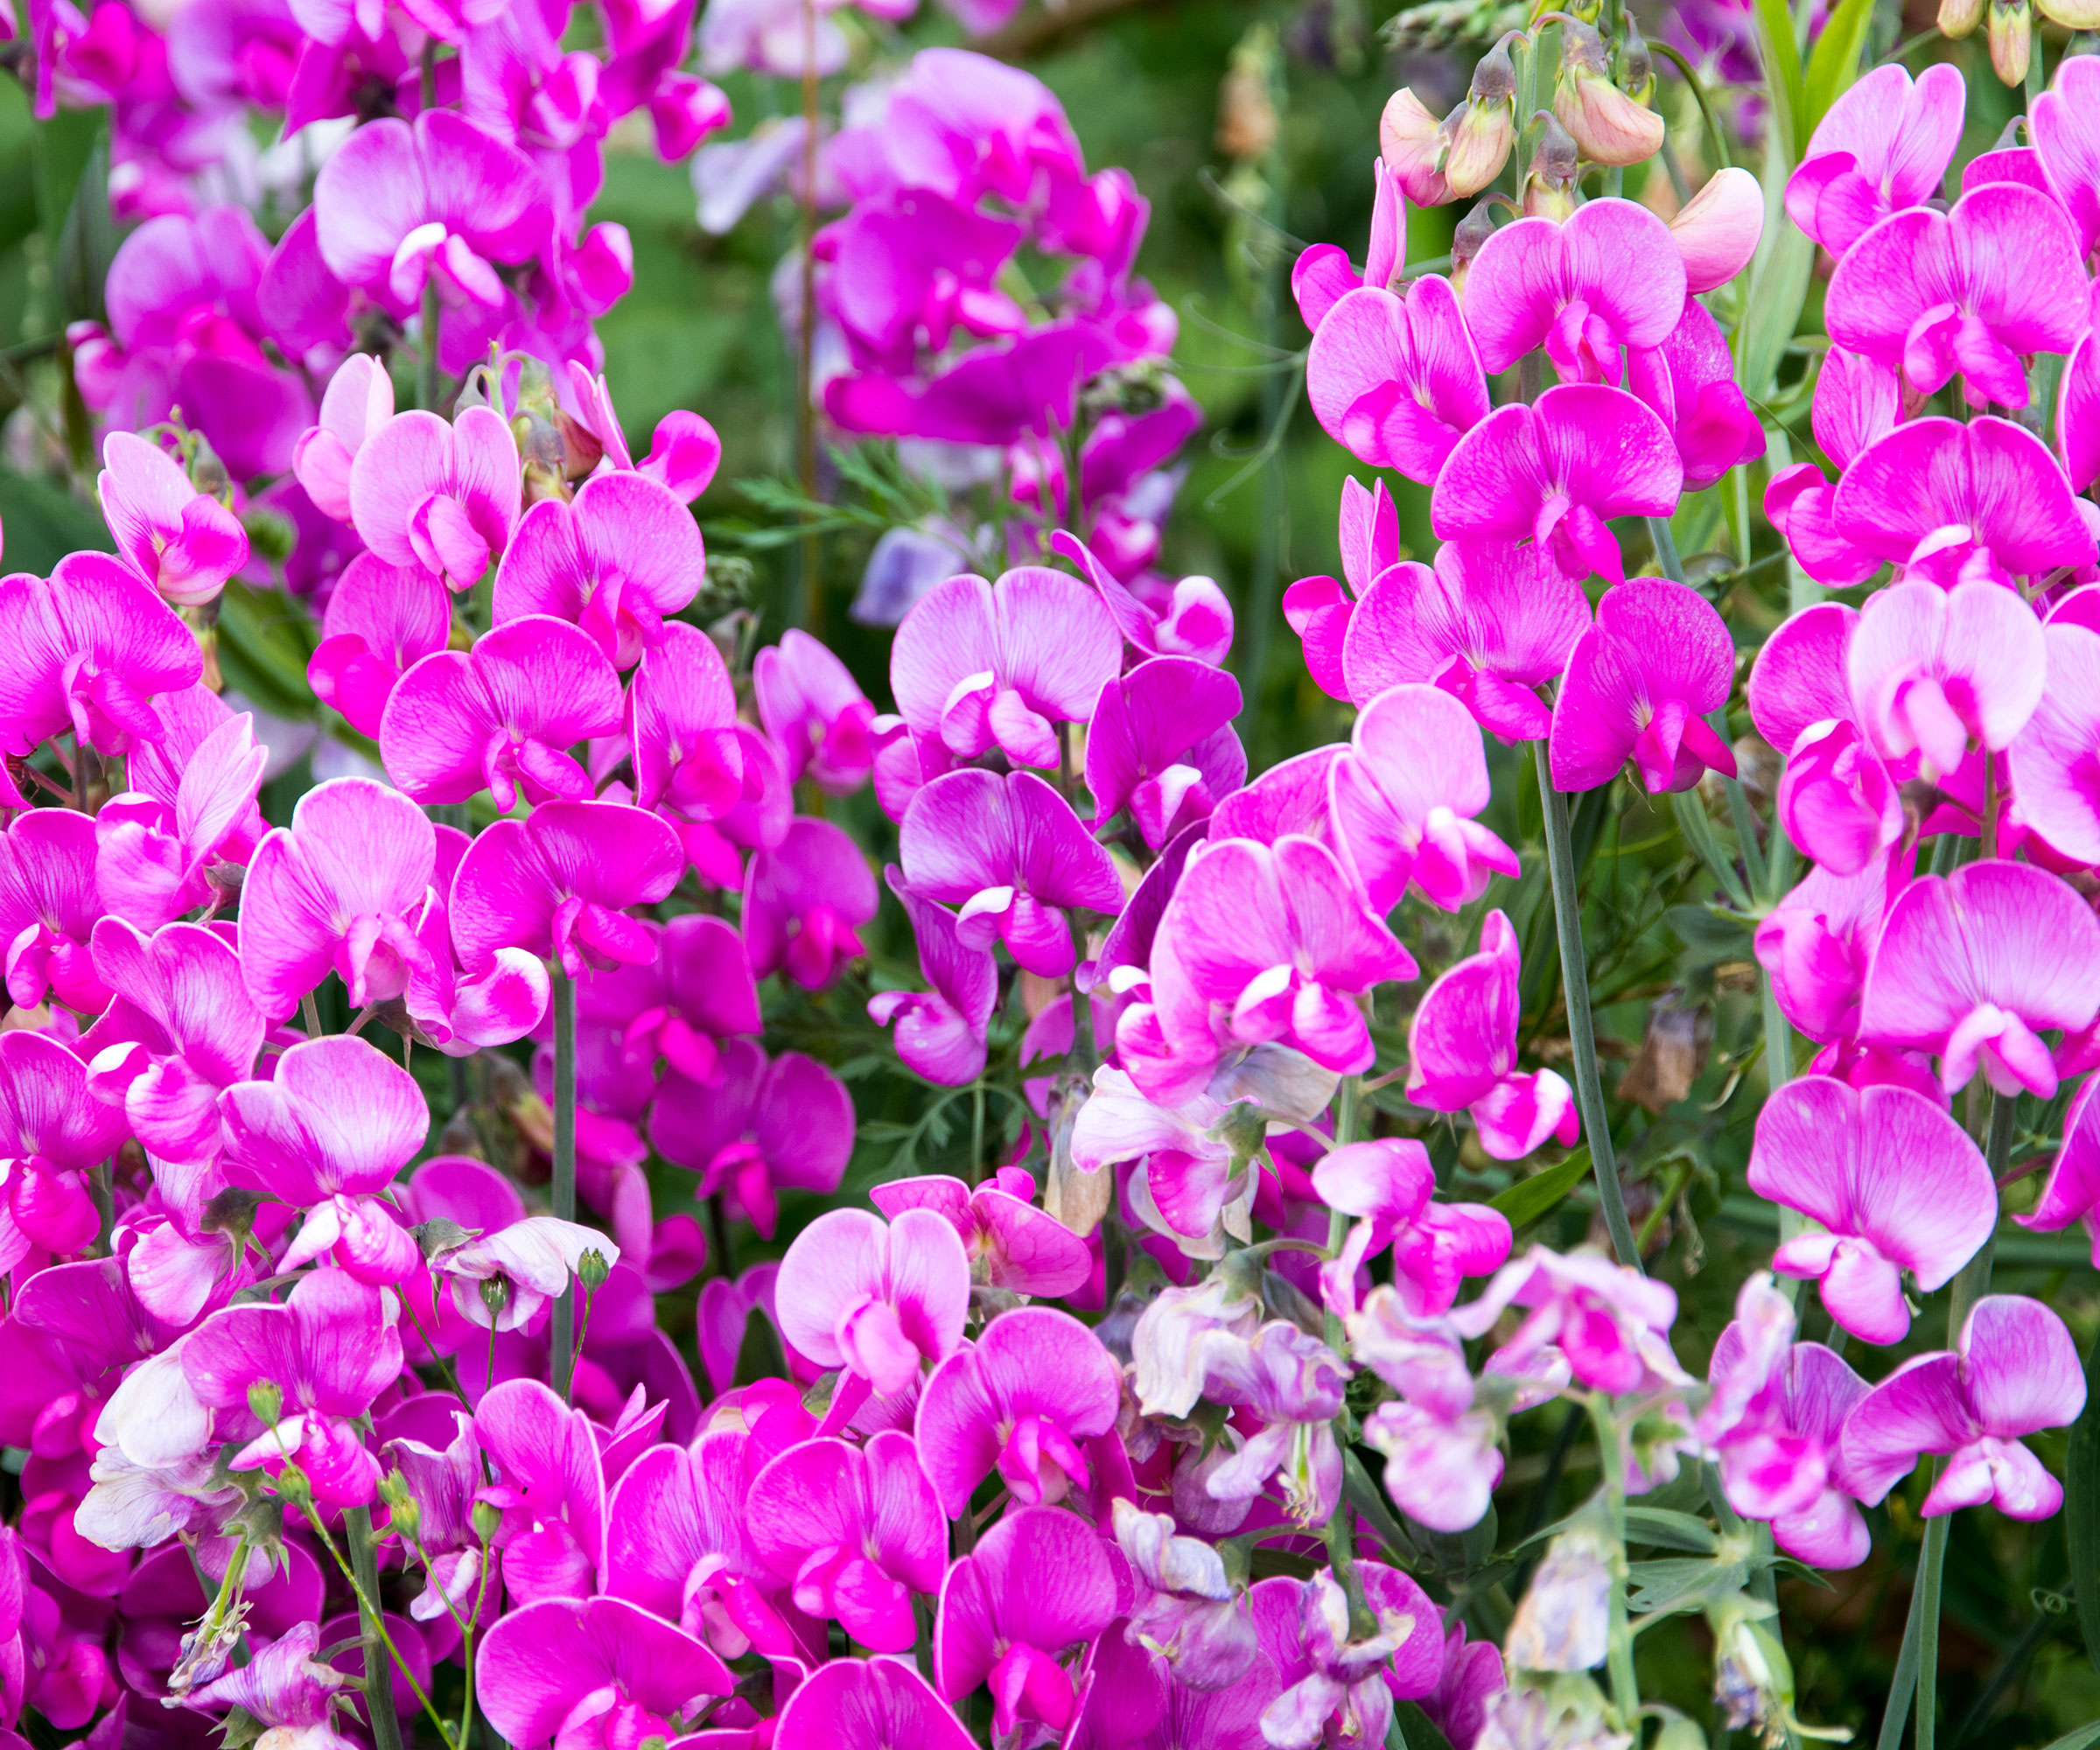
{"x":595,"y":1673}
{"x":978,"y":665}
{"x":1639,"y":685}
{"x":877,"y":1299}
{"x":180,"y":1028}
{"x":1037,"y":1584}
{"x":92,"y":648}
{"x":1337,"y":1690}
{"x":1816,"y":943}
{"x":1161,"y":744}
{"x":444,"y":497}
{"x":2013,"y":1371}
{"x":183,"y":542}
{"x":688,"y":759}
{"x":501,"y":716}
{"x":153,"y":861}
{"x":1014,"y":855}
{"x":358,"y":401}
{"x":870,"y":1704}
{"x":382,"y":620}
{"x":805,"y":899}
{"x":1195,"y":620}
{"x":1952,"y":503}
{"x":1882,"y":148}
{"x":618,"y":562}
{"x":814,"y":713}
{"x":1320,"y":609}
{"x":1403,"y":798}
{"x":53,"y":1129}
{"x":1553,"y":473}
{"x":1611,"y":1323}
{"x":941,"y":1030}
{"x":533,"y":1260}
{"x":49,"y":905}
{"x":1975,"y":966}
{"x":1689,"y":379}
{"x":1395,"y":377}
{"x":684,"y":450}
{"x":557,"y":884}
{"x":758,"y":1128}
{"x":1895,"y":1183}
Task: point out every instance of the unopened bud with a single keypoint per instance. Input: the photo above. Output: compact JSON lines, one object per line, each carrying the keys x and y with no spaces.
{"x":404,"y":1509}
{"x":1409,"y":139}
{"x":592,"y":1270}
{"x":1609,"y":126}
{"x":487,"y":1518}
{"x":1550,"y":185}
{"x":266,"y":1402}
{"x":1468,"y":237}
{"x":495,"y":1295}
{"x":1637,"y":71}
{"x":1564,"y":1619}
{"x":293,"y":1486}
{"x":208,"y":472}
{"x":1475,"y":139}
{"x":2011,"y":40}
{"x":1959,"y":18}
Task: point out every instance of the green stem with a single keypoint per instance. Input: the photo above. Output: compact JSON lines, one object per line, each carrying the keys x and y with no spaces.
{"x":1931,"y":1565}
{"x":1575,"y":980}
{"x":976,"y":1132}
{"x":379,"y":1675}
{"x":563,"y":1328}
{"x":429,"y":382}
{"x":1618,"y":1659}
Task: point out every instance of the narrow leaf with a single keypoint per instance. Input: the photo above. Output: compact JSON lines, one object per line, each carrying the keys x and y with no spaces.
{"x":1525,"y":1202}
{"x":1781,"y":60}
{"x":2081,"y":1508}
{"x":1834,"y":62}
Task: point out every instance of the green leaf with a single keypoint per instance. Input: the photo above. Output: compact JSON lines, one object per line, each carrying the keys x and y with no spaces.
{"x":2081,"y":1508}
{"x":1671,"y":1531}
{"x":1418,"y":1731}
{"x":2080,"y":1738}
{"x":43,"y":523}
{"x":1683,"y":1580}
{"x":1781,"y":60}
{"x":1779,"y":286}
{"x":1834,"y":63}
{"x":1711,"y":934}
{"x":265,"y":642}
{"x":1528,"y":1199}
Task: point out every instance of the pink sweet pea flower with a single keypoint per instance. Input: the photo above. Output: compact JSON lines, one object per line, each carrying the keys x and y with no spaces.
{"x":870,"y":1704}
{"x":501,"y":716}
{"x":689,"y":758}
{"x":1403,"y":799}
{"x":759,"y":1128}
{"x":598,"y":1672}
{"x":1161,"y":744}
{"x":1640,"y":685}
{"x":558,"y":884}
{"x":1014,"y":856}
{"x":2073,"y":1191}
{"x":183,"y":542}
{"x":805,"y":899}
{"x":1974,"y":966}
{"x":1717,"y":230}
{"x":814,"y":713}
{"x":1037,"y":1584}
{"x":1394,"y":377}
{"x":53,"y":1129}
{"x":1930,"y":669}
{"x":941,"y":1031}
{"x":91,"y":647}
{"x":180,"y":1028}
{"x":1387,"y":1185}
{"x":1818,"y":942}
{"x":1193,"y":620}
{"x":1966,"y":292}
{"x":978,"y":665}
{"x":2014,"y":1371}
{"x":1012,"y":1243}
{"x":1882,"y":148}
{"x":619,"y":561}
{"x":683,"y":453}
{"x":151,"y":861}
{"x":1320,"y":609}
{"x":1609,"y":278}
{"x":1462,"y":1053}
{"x":552,"y":1492}
{"x":2052,"y":761}
{"x":1609,"y":1322}
{"x":445,"y":497}
{"x":1895,"y":1183}
{"x":1020,"y":1401}
{"x":49,"y":904}
{"x":875,"y":1299}
{"x":382,"y":620}
{"x":1857,"y":402}
{"x":360,"y":399}
{"x":1488,"y":624}
{"x":1553,"y":473}
{"x":1322,"y":276}
{"x":1690,"y":381}
{"x":1337,"y":1690}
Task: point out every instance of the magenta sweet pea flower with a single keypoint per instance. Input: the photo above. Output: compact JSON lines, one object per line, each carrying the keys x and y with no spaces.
{"x":1640,"y":685}
{"x":1387,"y":1185}
{"x":1610,"y":277}
{"x":151,"y":860}
{"x":815,"y":713}
{"x":558,"y":884}
{"x":978,"y":665}
{"x":1555,"y":472}
{"x":1395,"y":377}
{"x":684,"y":450}
{"x":1038,"y":1584}
{"x":760,"y":1127}
{"x":501,"y":716}
{"x":49,"y":904}
{"x":1021,"y":1400}
{"x":804,"y":899}
{"x":1882,"y":148}
{"x":445,"y":497}
{"x":1818,"y":942}
{"x":1014,"y":856}
{"x":1403,"y":799}
{"x":1690,"y":381}
{"x":92,"y":647}
{"x":1610,"y":1323}
{"x":1462,"y":1053}
{"x":870,"y":1704}
{"x":597,"y":1673}
{"x":1012,"y":1243}
{"x":1857,"y":402}
{"x":1320,"y":609}
{"x":382,"y":620}
{"x":1194,"y":618}
{"x":1974,"y":966}
{"x":688,"y":759}
{"x":2051,"y":761}
{"x":1488,"y":623}
{"x":1895,"y":1183}
{"x":183,"y":542}
{"x":552,"y":1491}
{"x":877,"y":1299}
{"x":53,"y":1129}
{"x":1161,"y":744}
{"x":2072,"y":1190}
{"x":1323,"y":273}
{"x":1967,"y":292}
{"x":941,"y":1031}
{"x":2014,"y":1371}
{"x":616,"y":561}
{"x":359,"y":400}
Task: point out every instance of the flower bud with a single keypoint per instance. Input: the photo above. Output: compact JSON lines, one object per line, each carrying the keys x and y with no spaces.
{"x":266,"y":1402}
{"x":1475,"y":139}
{"x":1466,"y":240}
{"x":487,"y":1518}
{"x":1637,"y":77}
{"x":403,"y":1508}
{"x":1959,"y":18}
{"x":1753,"y":1679}
{"x":495,"y":1296}
{"x":592,"y":1270}
{"x":1562,"y":1622}
{"x":1407,"y":141}
{"x":2011,"y":40}
{"x":1610,"y":127}
{"x":1549,"y":184}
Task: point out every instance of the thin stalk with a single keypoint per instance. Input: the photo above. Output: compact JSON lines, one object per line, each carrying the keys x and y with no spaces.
{"x":105,"y":1204}
{"x":379,"y":1676}
{"x":429,"y":382}
{"x":565,"y":1168}
{"x":805,"y":360}
{"x":1618,"y":1659}
{"x":310,"y":1012}
{"x":2036,"y":77}
{"x":1575,"y":981}
{"x":1898,"y":1713}
{"x":1932,"y":1564}
{"x":1990,"y":822}
{"x":976,"y":1132}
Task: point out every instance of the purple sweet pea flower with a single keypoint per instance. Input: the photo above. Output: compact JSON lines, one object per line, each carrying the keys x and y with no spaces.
{"x":805,"y":898}
{"x":1012,"y":1243}
{"x":814,"y":713}
{"x":183,"y":542}
{"x":1338,"y":1691}
{"x":876,"y":1298}
{"x":941,"y":1031}
{"x":1161,"y":744}
{"x":287,"y":1689}
{"x":595,"y":1673}
{"x":1191,"y":1615}
{"x":758,"y":1128}
{"x":1292,"y":1383}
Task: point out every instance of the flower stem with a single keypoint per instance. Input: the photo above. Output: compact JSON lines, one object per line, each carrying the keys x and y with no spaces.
{"x":428,"y":379}
{"x":805,"y":340}
{"x":1618,"y":1659}
{"x":564,"y":1327}
{"x":1575,"y":980}
{"x":379,"y":1674}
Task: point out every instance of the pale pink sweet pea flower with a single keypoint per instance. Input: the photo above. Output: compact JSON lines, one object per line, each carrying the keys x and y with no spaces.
{"x":1974,"y":966}
{"x":1640,"y":685}
{"x":805,"y":898}
{"x":2013,"y":1371}
{"x":1462,"y":1053}
{"x":1012,"y":1243}
{"x":1717,"y":231}
{"x":1554,"y":471}
{"x":941,"y":1031}
{"x":1387,"y":1185}
{"x":1882,"y":148}
{"x":814,"y":713}
{"x":1611,"y":1323}
{"x":1320,"y":610}
{"x":154,"y":861}
{"x":445,"y":497}
{"x":53,"y":1129}
{"x":184,"y":544}
{"x":1818,"y":942}
{"x":1894,"y":1183}
{"x":49,"y":905}
{"x":875,"y":1299}
{"x":1337,"y":1690}
{"x":382,"y":620}
{"x":1394,"y":377}
{"x":534,"y":1259}
{"x":359,"y":400}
